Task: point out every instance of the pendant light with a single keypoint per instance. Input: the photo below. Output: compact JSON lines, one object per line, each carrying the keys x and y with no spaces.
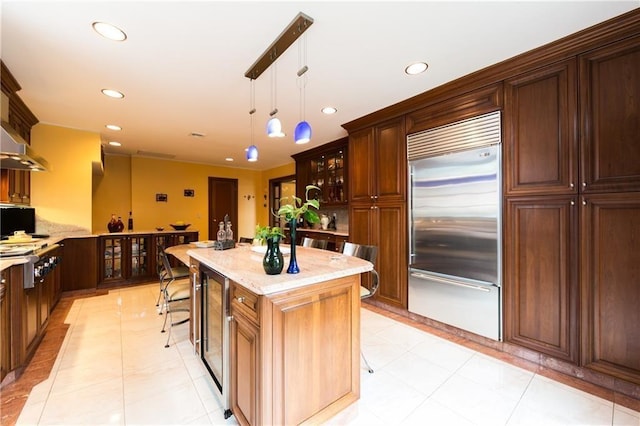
{"x":302,"y":132}
{"x":274,"y":127}
{"x":252,"y":151}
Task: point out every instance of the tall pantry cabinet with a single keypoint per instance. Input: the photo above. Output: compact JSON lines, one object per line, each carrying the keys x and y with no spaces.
{"x":572,"y":209}
{"x":377,"y":203}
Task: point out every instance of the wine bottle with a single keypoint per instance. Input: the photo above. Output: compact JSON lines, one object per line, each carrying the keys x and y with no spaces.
{"x":130,"y":223}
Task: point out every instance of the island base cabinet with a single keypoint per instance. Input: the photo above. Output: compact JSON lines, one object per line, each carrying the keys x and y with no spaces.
{"x":300,"y":362}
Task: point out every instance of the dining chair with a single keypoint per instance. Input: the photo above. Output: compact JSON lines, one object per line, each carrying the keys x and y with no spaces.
{"x":369,"y":253}
{"x":311,"y":242}
{"x":175,"y":288}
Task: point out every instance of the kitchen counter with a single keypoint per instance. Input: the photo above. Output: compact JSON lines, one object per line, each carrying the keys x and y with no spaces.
{"x":244,"y":266}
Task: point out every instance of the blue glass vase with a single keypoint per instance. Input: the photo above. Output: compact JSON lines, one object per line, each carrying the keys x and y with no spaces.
{"x":293,"y":262}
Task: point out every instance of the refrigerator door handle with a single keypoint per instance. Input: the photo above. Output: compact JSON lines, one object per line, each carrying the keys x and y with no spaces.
{"x":447,"y":281}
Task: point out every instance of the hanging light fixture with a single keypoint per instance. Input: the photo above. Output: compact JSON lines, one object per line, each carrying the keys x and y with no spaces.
{"x":274,"y":127}
{"x":252,"y":151}
{"x":302,"y":132}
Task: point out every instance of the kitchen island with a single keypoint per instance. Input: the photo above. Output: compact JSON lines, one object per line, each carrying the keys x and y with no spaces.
{"x":294,"y":339}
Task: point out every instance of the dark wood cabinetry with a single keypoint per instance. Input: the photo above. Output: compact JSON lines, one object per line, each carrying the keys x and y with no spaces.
{"x":334,"y":241}
{"x":540,"y":140}
{"x":377,"y":205}
{"x":5,"y":330}
{"x":541,"y":276}
{"x":326,"y":168}
{"x":610,"y":117}
{"x":545,"y":252}
{"x":610,"y":267}
{"x":79,"y":268}
{"x":15,"y":185}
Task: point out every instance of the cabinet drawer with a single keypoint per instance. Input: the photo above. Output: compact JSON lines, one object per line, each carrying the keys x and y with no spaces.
{"x":245,"y":302}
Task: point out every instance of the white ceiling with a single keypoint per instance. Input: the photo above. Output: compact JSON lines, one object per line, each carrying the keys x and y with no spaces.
{"x":182,"y":66}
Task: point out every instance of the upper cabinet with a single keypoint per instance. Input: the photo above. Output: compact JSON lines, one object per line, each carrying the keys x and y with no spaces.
{"x":610,"y":117}
{"x":326,"y":168}
{"x":378,"y":171}
{"x":540,"y":141}
{"x":15,"y":185}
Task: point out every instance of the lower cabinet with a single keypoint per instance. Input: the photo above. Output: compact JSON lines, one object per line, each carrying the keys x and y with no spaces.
{"x":295,"y":355}
{"x":79,"y":267}
{"x":541,"y":275}
{"x":571,"y":279}
{"x":125,"y":258}
{"x":610,"y":284}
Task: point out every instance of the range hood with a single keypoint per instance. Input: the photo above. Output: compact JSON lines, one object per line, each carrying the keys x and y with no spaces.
{"x":15,"y":153}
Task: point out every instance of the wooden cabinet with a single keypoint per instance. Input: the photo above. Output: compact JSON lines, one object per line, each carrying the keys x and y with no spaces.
{"x":125,"y":258}
{"x":378,"y":163}
{"x":295,"y":355}
{"x":610,"y":117}
{"x":326,"y":168}
{"x":171,"y":239}
{"x":377,"y":208}
{"x":79,"y":267}
{"x":540,"y":140}
{"x":610,"y":267}
{"x":541,"y":275}
{"x":5,"y":329}
{"x":16,"y":186}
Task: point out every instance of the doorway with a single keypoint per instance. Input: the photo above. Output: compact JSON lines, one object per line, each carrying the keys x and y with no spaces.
{"x":279,"y":188}
{"x":223,"y":200}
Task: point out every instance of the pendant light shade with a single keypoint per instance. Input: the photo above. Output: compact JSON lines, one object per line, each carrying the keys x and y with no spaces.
{"x":252,"y":153}
{"x":274,"y":128}
{"x":302,"y":133}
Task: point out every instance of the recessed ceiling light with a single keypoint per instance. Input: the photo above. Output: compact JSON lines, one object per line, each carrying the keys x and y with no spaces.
{"x":112,"y":93}
{"x":329,"y":110}
{"x":115,"y":143}
{"x":113,"y":127}
{"x":109,"y":31}
{"x":228,"y":159}
{"x":416,"y":68}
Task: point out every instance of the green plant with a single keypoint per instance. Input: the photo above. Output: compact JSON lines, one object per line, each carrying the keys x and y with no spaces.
{"x":266,"y":232}
{"x":298,"y":209}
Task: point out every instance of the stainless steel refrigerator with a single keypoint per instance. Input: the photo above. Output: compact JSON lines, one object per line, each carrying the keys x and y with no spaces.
{"x":455,"y":223}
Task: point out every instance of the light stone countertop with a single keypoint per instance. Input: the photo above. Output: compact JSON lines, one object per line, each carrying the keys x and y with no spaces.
{"x":244,"y":266}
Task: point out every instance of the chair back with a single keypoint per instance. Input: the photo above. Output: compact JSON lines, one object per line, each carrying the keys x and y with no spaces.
{"x":365,"y":252}
{"x":310,"y":242}
{"x":165,"y":267}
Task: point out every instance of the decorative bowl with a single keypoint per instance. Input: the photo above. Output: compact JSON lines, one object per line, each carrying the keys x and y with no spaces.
{"x":180,"y":227}
{"x":159,"y":228}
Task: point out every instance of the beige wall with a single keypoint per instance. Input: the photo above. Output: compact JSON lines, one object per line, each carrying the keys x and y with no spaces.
{"x":64,"y":194}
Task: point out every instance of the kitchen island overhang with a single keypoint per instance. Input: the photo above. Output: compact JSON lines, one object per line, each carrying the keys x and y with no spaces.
{"x":294,"y":338}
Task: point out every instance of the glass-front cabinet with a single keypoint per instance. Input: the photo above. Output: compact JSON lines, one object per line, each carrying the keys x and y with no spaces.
{"x":126,"y":258}
{"x":324,"y":167}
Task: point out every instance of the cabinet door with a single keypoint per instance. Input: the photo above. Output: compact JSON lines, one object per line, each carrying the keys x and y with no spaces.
{"x":610,"y":286}
{"x":541,"y":275}
{"x":540,"y":142}
{"x":80,"y":260}
{"x":114,"y":256}
{"x":245,"y":362}
{"x":390,"y":170}
{"x":385,"y":226}
{"x":392,"y":261}
{"x":139,"y":247}
{"x":19,"y":186}
{"x":610,"y":119}
{"x":361,"y":166}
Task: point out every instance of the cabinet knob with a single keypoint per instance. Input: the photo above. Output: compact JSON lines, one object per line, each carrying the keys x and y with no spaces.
{"x":584,"y":202}
{"x":573,"y":203}
{"x":571,"y":185}
{"x":584,"y":184}
{"x":240,"y":299}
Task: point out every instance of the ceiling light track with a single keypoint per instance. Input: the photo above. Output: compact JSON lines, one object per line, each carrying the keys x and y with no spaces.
{"x":296,"y":28}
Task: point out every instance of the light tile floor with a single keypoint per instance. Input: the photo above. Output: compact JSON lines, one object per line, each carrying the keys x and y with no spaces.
{"x":113,"y":369}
